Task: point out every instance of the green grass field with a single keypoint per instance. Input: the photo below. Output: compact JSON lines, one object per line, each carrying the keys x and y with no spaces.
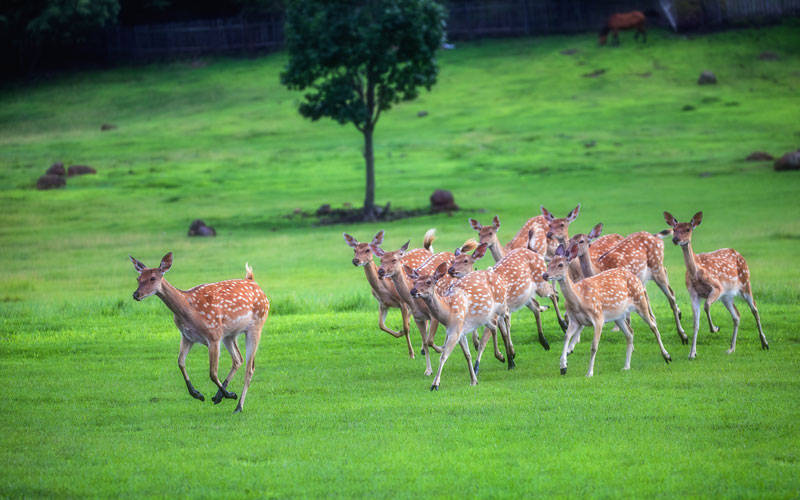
{"x":96,"y":406}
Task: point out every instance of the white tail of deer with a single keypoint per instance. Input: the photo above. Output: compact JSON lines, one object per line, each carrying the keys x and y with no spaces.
{"x":211,"y":314}
{"x":608,"y":296}
{"x":719,"y":275}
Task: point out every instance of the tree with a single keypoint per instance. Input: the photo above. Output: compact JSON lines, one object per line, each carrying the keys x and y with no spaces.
{"x":356,"y":59}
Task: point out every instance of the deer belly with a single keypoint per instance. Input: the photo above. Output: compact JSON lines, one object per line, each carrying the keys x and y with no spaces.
{"x":193,"y":335}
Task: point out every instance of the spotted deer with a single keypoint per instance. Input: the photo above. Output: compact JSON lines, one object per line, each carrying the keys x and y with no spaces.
{"x":392,"y":267}
{"x":211,"y":314}
{"x":537,"y":243}
{"x":719,"y":275}
{"x":558,"y":232}
{"x":605,"y":297}
{"x":474,"y":301}
{"x":642,"y":254}
{"x":383,"y":289}
{"x":522,"y":271}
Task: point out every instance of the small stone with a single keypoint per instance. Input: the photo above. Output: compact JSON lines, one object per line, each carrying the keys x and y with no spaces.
{"x":50,"y":181}
{"x":107,"y":126}
{"x":422,"y":114}
{"x":442,"y":200}
{"x":706,"y":78}
{"x":80,"y":170}
{"x":56,"y":168}
{"x":688,"y":107}
{"x":789,"y":161}
{"x":199,"y":228}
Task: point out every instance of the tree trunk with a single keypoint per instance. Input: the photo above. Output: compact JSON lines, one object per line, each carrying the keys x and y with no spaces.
{"x":369,"y":159}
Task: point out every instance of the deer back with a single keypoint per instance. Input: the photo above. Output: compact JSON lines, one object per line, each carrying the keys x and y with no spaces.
{"x":228,"y":304}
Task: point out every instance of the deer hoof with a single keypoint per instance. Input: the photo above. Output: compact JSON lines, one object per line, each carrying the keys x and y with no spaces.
{"x":198,"y":395}
{"x":668,"y":358}
{"x":714,"y":329}
{"x":231,"y":395}
{"x":434,"y":387}
{"x":563,"y":371}
{"x":475,"y":367}
{"x":511,"y":364}
{"x":684,"y":341}
{"x":765,"y":346}
{"x":238,"y":409}
{"x":217,"y":399}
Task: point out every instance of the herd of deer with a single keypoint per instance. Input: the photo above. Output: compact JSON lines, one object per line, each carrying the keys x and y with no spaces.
{"x":601,"y":277}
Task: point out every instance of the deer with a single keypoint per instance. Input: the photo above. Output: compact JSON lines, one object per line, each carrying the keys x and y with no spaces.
{"x":211,"y":314}
{"x":474,"y":301}
{"x":558,"y":232}
{"x":392,"y":267}
{"x":606,"y":297}
{"x":719,"y":275}
{"x":522,"y":270}
{"x":383,"y":289}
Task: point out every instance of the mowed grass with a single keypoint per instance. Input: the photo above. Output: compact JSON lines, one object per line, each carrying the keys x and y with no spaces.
{"x":95,"y":404}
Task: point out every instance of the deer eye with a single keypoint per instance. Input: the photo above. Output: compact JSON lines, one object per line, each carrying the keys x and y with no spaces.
{"x":152,"y":278}
{"x":560,"y":265}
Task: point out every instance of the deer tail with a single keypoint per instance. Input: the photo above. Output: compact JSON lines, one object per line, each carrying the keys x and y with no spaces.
{"x":430,"y":235}
{"x":248,"y":272}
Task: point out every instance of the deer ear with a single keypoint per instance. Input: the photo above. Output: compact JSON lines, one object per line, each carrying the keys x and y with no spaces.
{"x":137,"y":265}
{"x":496,"y":222}
{"x":697,"y":219}
{"x":440,"y":271}
{"x":404,"y":248}
{"x":378,"y":239}
{"x":475,"y":224}
{"x":574,"y":213}
{"x":376,"y":250}
{"x":595,"y":232}
{"x":457,"y":252}
{"x":166,"y":263}
{"x":559,"y":250}
{"x":547,"y":214}
{"x":411,"y":273}
{"x":351,"y":242}
{"x":480,"y":251}
{"x":671,"y":221}
{"x":572,"y":252}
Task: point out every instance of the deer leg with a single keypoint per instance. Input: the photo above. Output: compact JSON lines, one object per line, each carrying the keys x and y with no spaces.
{"x":662,"y":281}
{"x":406,"y":329}
{"x":650,"y":318}
{"x":433,"y":326}
{"x":473,"y":376}
{"x":213,"y":365}
{"x":573,"y":330}
{"x":422,"y":326}
{"x":562,"y":322}
{"x":598,"y":329}
{"x":696,"y":325}
{"x":505,"y":331}
{"x":752,"y":303}
{"x":534,"y":307}
{"x":450,"y":341}
{"x":711,"y":326}
{"x":382,"y":312}
{"x":728,"y":301}
{"x":186,"y":346}
{"x":575,"y":339}
{"x":487,"y":332}
{"x":253,"y":337}
{"x":626,"y":329}
{"x":236,"y":362}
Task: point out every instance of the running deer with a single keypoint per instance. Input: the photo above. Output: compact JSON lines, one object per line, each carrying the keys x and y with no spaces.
{"x":474,"y":301}
{"x":488,"y":235}
{"x":608,"y":296}
{"x":383,"y":289}
{"x":522,"y":270}
{"x":642,"y":254}
{"x":392,"y":267}
{"x":558,"y":232}
{"x":211,"y":314}
{"x":722,"y":274}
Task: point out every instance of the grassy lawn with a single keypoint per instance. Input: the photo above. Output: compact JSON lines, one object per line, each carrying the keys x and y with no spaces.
{"x":95,"y":404}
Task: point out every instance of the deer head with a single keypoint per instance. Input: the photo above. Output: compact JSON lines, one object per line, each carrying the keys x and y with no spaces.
{"x":582,"y":240}
{"x":362,"y":253}
{"x":558,"y":265}
{"x":463,"y":262}
{"x":390,"y":261}
{"x":487,"y":234}
{"x":150,"y":278}
{"x":682,"y":231}
{"x":424,"y":284}
{"x":559,"y":227}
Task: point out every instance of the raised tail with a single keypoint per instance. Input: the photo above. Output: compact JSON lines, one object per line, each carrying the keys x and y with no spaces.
{"x":248,"y":272}
{"x":430,"y":235}
{"x":469,"y":245}
{"x":663,"y":234}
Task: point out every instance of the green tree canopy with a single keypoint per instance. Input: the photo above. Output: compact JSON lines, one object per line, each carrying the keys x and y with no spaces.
{"x":355,"y":59}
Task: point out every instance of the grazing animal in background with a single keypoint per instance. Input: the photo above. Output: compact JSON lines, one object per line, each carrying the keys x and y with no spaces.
{"x":719,"y":275}
{"x":392,"y":267}
{"x":211,"y":314}
{"x":634,"y":20}
{"x":476,"y":300}
{"x":608,"y":296}
{"x":383,"y":289}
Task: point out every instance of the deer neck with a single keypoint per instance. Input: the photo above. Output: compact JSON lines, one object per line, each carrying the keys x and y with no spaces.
{"x":570,"y":296}
{"x":587,"y":268}
{"x":440,"y":310}
{"x":371,"y":270}
{"x":689,"y":259}
{"x":177,"y":302}
{"x":401,"y":285}
{"x":497,"y":249}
